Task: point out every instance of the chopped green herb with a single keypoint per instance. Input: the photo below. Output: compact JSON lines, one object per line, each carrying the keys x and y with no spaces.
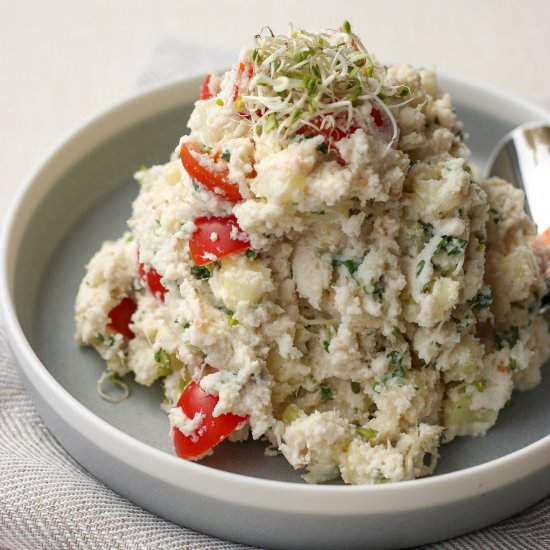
{"x":195,"y":185}
{"x":201,"y":272}
{"x":231,"y":320}
{"x":346,"y":27}
{"x":396,"y":332}
{"x":428,"y":228}
{"x":350,"y":265}
{"x":100,"y":337}
{"x":451,"y":245}
{"x":426,"y":288}
{"x":483,"y":299}
{"x":251,"y":253}
{"x":355,"y":387}
{"x":326,"y":344}
{"x":513,"y":364}
{"x":378,"y":290}
{"x":480,"y":385}
{"x":367,"y":433}
{"x":420,"y":267}
{"x":398,"y":373}
{"x":219,"y":102}
{"x":187,"y":325}
{"x":510,"y":337}
{"x":495,"y":215}
{"x":229,"y":314}
{"x":404,"y":91}
{"x":226,"y":155}
{"x":326,"y":393}
{"x":467,"y":168}
{"x":394,"y":357}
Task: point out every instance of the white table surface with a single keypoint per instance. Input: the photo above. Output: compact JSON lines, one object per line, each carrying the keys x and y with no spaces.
{"x":61,"y":61}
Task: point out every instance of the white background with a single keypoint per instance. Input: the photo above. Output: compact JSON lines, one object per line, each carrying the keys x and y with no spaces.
{"x":61,"y":61}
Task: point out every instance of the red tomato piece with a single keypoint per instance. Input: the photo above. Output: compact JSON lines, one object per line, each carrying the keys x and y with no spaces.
{"x":121,"y":315}
{"x":201,"y":244}
{"x":152,"y":278}
{"x":212,"y":430}
{"x":212,"y":175}
{"x":205,"y":87}
{"x":331,"y":135}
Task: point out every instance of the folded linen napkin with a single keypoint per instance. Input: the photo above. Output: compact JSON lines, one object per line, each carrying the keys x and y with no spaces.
{"x":47,"y":500}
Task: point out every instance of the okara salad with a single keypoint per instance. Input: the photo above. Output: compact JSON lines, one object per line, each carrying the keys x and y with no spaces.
{"x":318,"y":266}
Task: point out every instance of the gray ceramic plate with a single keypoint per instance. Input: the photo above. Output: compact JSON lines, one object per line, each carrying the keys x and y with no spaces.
{"x":81,"y":195}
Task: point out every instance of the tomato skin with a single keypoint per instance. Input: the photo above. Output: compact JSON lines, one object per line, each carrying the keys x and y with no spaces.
{"x":377,"y":117}
{"x":201,"y":244}
{"x":216,"y":180}
{"x":121,"y":315}
{"x":205,"y":89}
{"x":152,"y":278}
{"x":213,"y":430}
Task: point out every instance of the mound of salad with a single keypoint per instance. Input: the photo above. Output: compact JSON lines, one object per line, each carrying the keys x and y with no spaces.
{"x":318,"y":266}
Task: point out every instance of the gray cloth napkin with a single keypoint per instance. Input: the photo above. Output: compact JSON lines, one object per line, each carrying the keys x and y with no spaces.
{"x":47,"y":500}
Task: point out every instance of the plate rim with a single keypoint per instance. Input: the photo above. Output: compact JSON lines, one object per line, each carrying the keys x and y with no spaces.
{"x":200,"y":479}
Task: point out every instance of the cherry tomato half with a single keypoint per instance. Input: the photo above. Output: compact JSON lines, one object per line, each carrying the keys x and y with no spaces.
{"x":201,"y":244}
{"x":151,"y":277}
{"x":121,"y":315}
{"x":213,"y":429}
{"x":212,"y":175}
